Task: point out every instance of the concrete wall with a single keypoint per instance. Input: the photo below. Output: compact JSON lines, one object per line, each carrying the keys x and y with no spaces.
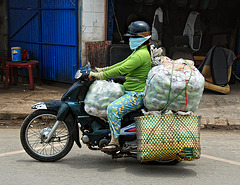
{"x":93,"y":23}
{"x":3,"y":29}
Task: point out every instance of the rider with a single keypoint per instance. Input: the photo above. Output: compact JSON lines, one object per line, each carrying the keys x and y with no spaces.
{"x":136,"y":68}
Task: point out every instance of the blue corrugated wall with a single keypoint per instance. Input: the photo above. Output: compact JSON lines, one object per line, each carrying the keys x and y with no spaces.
{"x":48,"y":30}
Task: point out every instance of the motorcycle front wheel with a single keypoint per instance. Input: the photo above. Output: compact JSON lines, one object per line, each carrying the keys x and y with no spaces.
{"x":34,"y":131}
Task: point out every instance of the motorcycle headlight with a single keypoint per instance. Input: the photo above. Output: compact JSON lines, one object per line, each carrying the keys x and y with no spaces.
{"x":78,"y":74}
{"x":83,"y":70}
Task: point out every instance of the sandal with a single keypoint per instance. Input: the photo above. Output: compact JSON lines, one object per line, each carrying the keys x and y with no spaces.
{"x":116,"y":148}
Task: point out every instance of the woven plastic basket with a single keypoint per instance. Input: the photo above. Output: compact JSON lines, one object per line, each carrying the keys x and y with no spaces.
{"x":168,"y":137}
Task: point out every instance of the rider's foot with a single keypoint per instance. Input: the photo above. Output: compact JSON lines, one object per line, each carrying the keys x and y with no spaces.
{"x":111,"y":147}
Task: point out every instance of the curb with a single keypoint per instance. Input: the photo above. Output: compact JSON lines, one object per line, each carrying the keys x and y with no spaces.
{"x":8,"y":119}
{"x":217,"y":121}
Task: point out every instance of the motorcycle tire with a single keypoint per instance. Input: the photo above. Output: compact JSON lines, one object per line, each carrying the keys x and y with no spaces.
{"x":33,"y":133}
{"x":168,"y":162}
{"x":164,"y":162}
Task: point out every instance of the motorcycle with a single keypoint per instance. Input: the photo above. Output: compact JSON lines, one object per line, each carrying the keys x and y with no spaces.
{"x":48,"y":133}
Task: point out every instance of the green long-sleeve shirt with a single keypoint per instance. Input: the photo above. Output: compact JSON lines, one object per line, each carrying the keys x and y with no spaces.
{"x":135,"y":67}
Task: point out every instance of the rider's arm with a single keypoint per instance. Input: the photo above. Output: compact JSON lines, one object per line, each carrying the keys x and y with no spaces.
{"x":119,"y":63}
{"x":124,"y":67}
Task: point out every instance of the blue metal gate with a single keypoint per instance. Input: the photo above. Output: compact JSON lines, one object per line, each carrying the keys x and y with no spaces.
{"x":48,"y":29}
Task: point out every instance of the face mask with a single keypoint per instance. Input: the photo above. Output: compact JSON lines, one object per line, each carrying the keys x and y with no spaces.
{"x":134,"y":43}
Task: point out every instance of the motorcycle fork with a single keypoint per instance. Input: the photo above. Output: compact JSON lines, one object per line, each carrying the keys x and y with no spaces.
{"x":50,"y":135}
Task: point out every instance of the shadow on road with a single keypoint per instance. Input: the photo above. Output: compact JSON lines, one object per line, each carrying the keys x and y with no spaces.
{"x":106,"y":164}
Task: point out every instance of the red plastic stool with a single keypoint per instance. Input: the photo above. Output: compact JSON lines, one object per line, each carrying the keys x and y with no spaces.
{"x":29,"y":65}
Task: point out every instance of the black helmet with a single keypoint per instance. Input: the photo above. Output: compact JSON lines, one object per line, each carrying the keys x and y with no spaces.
{"x":138,"y":29}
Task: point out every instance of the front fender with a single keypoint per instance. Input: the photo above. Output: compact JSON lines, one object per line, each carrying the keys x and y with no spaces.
{"x":71,"y":121}
{"x":65,"y":114}
{"x":50,"y":105}
{"x":63,"y":111}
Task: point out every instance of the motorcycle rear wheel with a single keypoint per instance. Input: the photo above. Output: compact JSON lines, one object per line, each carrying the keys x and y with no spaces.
{"x":168,"y":162}
{"x":33,"y":133}
{"x":163,"y":162}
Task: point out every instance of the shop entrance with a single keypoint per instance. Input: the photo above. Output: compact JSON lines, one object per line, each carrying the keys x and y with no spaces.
{"x":219,"y":20}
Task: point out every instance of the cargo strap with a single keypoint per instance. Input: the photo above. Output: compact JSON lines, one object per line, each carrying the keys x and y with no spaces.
{"x":170,"y":87}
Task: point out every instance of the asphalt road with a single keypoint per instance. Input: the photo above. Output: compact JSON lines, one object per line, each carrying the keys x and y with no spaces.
{"x":219,"y":164}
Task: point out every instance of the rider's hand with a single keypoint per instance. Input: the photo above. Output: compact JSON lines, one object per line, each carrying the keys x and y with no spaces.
{"x":101,"y":69}
{"x":98,"y":76}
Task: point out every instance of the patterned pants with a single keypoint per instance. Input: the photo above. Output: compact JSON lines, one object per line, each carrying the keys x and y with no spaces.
{"x":129,"y":102}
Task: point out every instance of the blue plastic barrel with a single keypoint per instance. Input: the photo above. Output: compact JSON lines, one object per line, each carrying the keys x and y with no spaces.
{"x":16,"y":54}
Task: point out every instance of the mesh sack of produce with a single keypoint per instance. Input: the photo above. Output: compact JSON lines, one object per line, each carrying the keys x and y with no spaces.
{"x":168,"y":137}
{"x":174,"y":85}
{"x":100,"y":94}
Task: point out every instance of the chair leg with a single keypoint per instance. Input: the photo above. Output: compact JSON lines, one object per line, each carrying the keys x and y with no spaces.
{"x":31,"y":81}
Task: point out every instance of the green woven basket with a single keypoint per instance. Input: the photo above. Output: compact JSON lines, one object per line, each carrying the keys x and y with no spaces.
{"x":168,"y":137}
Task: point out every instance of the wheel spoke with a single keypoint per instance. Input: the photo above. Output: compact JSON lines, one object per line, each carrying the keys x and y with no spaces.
{"x":36,"y":143}
{"x":61,"y":144}
{"x":56,"y":149}
{"x":41,"y":149}
{"x":35,"y":130}
{"x":61,"y":131}
{"x":52,"y":149}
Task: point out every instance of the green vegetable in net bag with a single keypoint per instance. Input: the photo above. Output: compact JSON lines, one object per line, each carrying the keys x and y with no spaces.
{"x":100,"y":94}
{"x":174,"y":85}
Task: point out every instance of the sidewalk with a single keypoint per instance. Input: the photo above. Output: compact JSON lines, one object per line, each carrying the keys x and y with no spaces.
{"x":215,"y":109}
{"x":16,"y":101}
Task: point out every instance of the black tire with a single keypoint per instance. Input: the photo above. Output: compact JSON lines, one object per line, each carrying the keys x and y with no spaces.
{"x":32,"y":133}
{"x":168,"y":162}
{"x":164,"y":162}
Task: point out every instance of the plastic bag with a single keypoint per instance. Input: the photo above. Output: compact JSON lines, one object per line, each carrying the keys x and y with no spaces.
{"x":100,"y":94}
{"x":177,"y":87}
